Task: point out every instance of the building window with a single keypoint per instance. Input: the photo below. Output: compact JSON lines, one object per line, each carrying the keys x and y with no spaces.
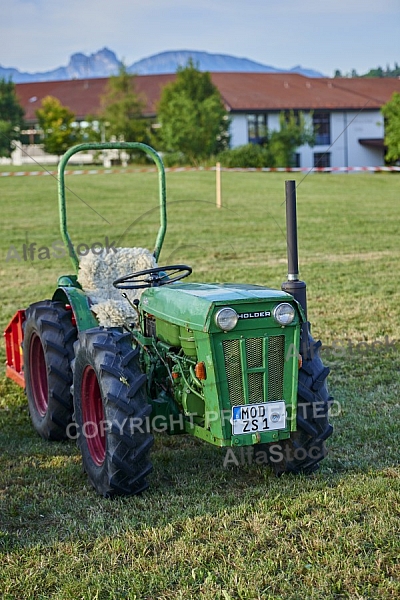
{"x":30,"y":136}
{"x":322,"y":128}
{"x":296,"y":160}
{"x":322,"y":159}
{"x":257,"y":128}
{"x":297,"y":114}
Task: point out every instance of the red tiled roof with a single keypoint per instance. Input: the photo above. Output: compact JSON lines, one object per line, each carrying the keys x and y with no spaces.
{"x":280,"y":91}
{"x":240,"y":91}
{"x":83,"y":96}
{"x":378,"y":90}
{"x":80,"y":96}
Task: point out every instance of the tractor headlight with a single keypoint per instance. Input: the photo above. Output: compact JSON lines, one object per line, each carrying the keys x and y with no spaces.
{"x":226,"y":319}
{"x":284,"y":313}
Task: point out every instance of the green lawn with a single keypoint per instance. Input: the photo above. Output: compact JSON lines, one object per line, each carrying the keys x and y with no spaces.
{"x":202,"y":530}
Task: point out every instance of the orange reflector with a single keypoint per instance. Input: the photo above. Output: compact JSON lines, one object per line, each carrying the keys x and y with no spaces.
{"x":73,"y":319}
{"x":300,"y":362}
{"x":200,"y":370}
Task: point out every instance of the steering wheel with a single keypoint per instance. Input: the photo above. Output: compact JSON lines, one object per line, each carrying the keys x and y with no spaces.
{"x":152,"y":277}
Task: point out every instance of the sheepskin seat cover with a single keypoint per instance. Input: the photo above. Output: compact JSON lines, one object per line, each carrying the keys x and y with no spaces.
{"x":96,"y":275}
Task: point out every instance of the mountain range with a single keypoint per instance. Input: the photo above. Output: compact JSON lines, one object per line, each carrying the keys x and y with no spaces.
{"x":104,"y":63}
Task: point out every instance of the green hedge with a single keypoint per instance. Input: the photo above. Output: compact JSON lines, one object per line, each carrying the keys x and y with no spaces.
{"x":247,"y":156}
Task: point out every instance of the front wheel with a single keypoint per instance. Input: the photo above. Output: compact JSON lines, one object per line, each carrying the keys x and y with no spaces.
{"x":111,"y":412}
{"x":305,"y":448}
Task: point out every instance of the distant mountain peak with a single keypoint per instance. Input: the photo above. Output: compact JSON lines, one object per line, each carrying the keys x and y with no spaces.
{"x":169,"y":61}
{"x":104,"y":63}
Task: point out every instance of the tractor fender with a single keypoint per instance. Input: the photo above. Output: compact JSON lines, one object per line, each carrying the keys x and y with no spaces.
{"x":300,"y":310}
{"x":80,"y":306}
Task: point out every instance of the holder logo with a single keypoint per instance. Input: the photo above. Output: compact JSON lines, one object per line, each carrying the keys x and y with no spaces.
{"x":255,"y":315}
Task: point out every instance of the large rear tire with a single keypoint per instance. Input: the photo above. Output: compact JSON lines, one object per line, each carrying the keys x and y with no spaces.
{"x":49,"y":337}
{"x":304,"y":450}
{"x":111,"y":412}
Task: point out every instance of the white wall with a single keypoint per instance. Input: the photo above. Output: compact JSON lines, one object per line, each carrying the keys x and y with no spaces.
{"x":34,"y":154}
{"x":273,"y":121}
{"x":238,"y":130}
{"x":346,"y":129}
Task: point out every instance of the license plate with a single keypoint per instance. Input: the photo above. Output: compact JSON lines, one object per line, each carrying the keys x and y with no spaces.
{"x":256,"y":418}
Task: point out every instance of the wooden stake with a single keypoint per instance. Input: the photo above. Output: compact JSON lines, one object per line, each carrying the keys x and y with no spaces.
{"x":218,"y":184}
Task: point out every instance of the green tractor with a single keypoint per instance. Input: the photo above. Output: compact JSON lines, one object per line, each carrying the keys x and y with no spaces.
{"x":232,"y":364}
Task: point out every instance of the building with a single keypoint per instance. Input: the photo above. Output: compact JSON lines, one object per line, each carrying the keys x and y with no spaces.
{"x":345,"y":112}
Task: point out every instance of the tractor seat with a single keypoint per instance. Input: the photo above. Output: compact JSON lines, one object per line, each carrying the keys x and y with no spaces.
{"x":96,"y":275}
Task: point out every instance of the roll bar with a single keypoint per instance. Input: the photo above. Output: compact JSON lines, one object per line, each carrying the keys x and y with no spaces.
{"x":110,"y":146}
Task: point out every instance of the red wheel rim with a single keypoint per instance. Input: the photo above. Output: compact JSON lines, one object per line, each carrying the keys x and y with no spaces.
{"x":38,"y":375}
{"x":93,"y":416}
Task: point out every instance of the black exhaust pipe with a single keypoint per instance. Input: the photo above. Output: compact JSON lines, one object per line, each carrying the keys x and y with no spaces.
{"x":294,"y":285}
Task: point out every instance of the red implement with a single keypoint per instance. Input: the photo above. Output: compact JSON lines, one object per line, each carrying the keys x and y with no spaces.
{"x":14,"y":360}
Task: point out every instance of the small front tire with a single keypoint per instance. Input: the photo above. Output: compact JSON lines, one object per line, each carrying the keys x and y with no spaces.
{"x":305,"y":448}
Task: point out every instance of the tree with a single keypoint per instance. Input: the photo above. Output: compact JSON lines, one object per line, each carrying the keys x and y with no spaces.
{"x":379,"y":72}
{"x":11,"y":117}
{"x":90,"y":129}
{"x":391,"y":112}
{"x":192,"y":115}
{"x":122,"y":109}
{"x":376,"y":72}
{"x":278,"y":149}
{"x":293,"y":132}
{"x":56,"y":122}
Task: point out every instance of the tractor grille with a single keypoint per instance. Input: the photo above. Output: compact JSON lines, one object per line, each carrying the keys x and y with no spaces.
{"x":276,"y":359}
{"x":254,"y":369}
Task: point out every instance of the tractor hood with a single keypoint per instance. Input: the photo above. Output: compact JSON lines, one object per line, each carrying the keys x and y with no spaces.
{"x":191,"y":305}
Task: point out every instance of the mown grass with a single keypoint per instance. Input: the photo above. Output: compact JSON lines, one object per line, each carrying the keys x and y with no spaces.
{"x":203,"y":530}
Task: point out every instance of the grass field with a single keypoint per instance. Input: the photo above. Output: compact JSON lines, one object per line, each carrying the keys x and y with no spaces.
{"x":202,"y":530}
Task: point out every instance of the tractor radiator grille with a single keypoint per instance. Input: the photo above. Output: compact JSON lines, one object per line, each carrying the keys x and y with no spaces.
{"x":276,"y":359}
{"x":254,"y":369}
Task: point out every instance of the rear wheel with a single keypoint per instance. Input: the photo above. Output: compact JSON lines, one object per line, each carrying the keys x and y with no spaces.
{"x":303,"y":451}
{"x":49,"y":336}
{"x":111,"y":412}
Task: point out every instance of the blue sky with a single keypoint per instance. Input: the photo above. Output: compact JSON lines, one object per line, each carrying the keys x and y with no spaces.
{"x":39,"y":35}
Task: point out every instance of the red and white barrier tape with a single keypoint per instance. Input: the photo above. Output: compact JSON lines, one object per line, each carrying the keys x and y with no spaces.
{"x":179,"y":169}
